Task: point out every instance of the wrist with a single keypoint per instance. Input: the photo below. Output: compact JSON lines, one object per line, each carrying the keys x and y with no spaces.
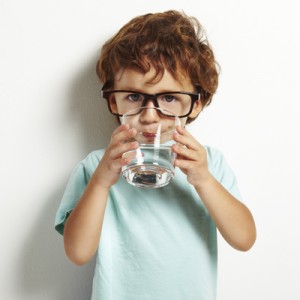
{"x":204,"y":182}
{"x":100,"y":182}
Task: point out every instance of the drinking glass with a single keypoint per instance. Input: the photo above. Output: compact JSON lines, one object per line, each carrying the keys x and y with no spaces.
{"x":152,"y":163}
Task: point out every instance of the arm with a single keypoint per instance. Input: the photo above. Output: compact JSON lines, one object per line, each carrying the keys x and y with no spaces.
{"x":232,"y":218}
{"x":83,"y":227}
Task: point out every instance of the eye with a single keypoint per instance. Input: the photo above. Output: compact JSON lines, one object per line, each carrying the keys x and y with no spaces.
{"x":135,"y":97}
{"x":168,"y":98}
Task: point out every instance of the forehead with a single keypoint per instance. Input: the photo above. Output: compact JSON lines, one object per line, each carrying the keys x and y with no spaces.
{"x":134,"y":80}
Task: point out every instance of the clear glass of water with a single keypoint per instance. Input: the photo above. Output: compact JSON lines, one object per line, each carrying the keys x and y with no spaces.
{"x":152,"y":164}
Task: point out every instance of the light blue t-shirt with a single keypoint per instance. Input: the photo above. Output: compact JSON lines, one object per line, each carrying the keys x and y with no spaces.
{"x":156,"y":244}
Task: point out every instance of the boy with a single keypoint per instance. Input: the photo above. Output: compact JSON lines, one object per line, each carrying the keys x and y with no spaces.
{"x":155,"y":243}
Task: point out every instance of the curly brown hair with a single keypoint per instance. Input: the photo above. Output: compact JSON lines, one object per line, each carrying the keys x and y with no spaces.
{"x":169,"y":40}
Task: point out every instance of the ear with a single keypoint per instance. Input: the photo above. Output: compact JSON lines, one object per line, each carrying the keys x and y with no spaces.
{"x":196,"y":109}
{"x":112,"y":104}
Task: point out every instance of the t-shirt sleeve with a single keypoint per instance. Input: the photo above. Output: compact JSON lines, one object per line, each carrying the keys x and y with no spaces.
{"x":223,"y":172}
{"x":74,"y":190}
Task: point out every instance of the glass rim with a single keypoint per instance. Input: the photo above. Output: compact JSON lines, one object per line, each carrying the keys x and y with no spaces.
{"x":140,"y":109}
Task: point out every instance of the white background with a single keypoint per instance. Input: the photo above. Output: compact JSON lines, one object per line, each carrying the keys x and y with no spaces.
{"x":51,"y":117}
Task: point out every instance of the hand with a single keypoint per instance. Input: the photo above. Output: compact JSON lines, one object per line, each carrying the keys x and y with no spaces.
{"x":191,"y":157}
{"x":109,"y":168}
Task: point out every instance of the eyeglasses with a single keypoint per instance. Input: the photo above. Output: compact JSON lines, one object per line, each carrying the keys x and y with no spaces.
{"x":178,"y":103}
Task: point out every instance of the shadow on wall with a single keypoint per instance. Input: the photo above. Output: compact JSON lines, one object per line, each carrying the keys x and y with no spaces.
{"x":45,"y":272}
{"x":89,"y":111}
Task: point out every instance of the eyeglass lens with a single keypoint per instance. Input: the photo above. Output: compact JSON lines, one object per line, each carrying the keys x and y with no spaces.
{"x":176,"y":103}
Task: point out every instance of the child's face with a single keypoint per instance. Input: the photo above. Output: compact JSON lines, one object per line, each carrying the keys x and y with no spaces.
{"x":132,"y":80}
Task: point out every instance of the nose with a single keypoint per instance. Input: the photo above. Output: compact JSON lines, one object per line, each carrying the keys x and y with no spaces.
{"x":149,"y":114}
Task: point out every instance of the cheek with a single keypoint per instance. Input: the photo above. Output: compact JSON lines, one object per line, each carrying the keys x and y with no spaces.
{"x":170,"y":125}
{"x":132,"y":121}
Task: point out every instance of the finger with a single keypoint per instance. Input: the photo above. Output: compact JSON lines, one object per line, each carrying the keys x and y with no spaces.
{"x":130,"y":155}
{"x":182,"y":164}
{"x":117,"y":164}
{"x":120,"y":128}
{"x":125,"y":159}
{"x":182,"y":130}
{"x":183,"y":152}
{"x":186,"y":139}
{"x":120,"y":149}
{"x":123,"y":135}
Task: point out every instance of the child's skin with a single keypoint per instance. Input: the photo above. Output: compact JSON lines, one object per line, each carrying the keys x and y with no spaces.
{"x":83,"y":227}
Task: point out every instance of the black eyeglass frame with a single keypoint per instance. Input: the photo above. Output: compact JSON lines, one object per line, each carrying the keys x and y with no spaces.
{"x":194,"y":97}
